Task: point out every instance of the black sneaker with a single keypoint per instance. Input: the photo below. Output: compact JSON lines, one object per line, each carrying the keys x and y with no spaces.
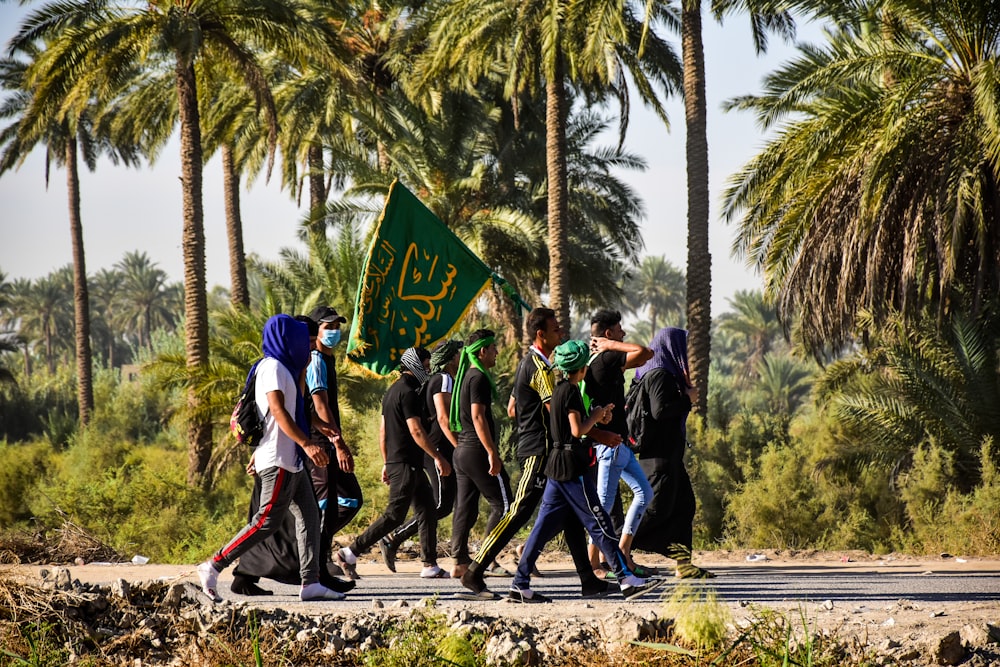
{"x":633,"y":592}
{"x":244,"y":585}
{"x":598,"y":589}
{"x":388,"y":553}
{"x":527,"y":596}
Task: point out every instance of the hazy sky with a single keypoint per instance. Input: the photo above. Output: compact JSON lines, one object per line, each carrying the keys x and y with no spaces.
{"x":129,"y":209}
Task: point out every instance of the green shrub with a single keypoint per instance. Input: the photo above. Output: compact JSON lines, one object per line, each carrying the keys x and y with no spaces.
{"x":23,"y":465}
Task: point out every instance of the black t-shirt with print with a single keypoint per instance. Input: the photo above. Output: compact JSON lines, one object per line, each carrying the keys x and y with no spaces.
{"x":605,"y":383}
{"x":533,"y":386}
{"x":399,"y":404}
{"x":476,"y":388}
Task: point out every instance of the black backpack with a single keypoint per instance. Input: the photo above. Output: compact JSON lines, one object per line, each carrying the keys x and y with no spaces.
{"x":637,"y":412}
{"x":245,"y":423}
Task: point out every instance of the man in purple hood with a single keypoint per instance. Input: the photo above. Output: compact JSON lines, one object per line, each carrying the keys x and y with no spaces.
{"x":277,"y":460}
{"x":666,"y":527}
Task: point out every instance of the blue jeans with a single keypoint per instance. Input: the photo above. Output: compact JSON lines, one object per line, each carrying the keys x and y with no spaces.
{"x":614,"y":463}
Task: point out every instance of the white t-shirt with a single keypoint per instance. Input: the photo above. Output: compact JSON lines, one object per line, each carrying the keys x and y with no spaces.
{"x":276,"y":449}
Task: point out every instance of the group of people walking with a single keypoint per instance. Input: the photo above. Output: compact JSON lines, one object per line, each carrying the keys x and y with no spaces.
{"x":438,"y":441}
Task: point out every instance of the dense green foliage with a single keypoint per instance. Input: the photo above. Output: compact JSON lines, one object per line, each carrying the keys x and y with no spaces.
{"x":872,"y":212}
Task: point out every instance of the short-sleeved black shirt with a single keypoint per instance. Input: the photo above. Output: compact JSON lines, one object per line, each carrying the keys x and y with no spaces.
{"x":439,"y":383}
{"x":475,"y":388}
{"x":399,"y":404}
{"x":565,"y":398}
{"x":605,"y":383}
{"x":534,"y":383}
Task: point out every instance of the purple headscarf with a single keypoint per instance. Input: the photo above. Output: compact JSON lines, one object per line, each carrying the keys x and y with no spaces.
{"x":287,"y":340}
{"x":670,"y":352}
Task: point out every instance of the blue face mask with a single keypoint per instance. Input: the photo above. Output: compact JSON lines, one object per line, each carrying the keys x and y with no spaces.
{"x":330,"y":338}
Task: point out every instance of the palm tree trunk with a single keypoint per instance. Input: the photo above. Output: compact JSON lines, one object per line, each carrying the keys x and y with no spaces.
{"x":81,"y":298}
{"x":555,"y":162}
{"x":699,"y":267}
{"x":317,"y":192}
{"x":193,"y":243}
{"x":240,"y":295}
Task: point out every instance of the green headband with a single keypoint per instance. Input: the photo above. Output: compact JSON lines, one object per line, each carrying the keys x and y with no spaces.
{"x":468,"y":358}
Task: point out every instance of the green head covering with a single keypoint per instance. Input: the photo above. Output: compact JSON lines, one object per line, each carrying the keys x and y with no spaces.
{"x":443,"y":353}
{"x":468,"y":358}
{"x":571,"y":356}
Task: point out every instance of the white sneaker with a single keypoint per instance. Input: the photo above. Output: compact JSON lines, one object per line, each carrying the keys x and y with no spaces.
{"x":317,"y":591}
{"x":209,"y":577}
{"x":632,"y":580}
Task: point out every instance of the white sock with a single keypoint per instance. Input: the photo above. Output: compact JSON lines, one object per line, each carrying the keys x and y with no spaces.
{"x":348,"y":555}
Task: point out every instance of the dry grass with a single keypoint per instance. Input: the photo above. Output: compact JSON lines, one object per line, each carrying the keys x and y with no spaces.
{"x":63,"y":545}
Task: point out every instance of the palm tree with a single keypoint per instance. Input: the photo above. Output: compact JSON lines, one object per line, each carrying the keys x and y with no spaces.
{"x":918,"y":386}
{"x":93,"y":48}
{"x":146,"y":300}
{"x":756,"y":322}
{"x":61,"y":137}
{"x":699,"y":266}
{"x":656,"y":289}
{"x":550,"y":45}
{"x":105,"y":298}
{"x":783,"y":384}
{"x":879,"y":191}
{"x":40,"y":310}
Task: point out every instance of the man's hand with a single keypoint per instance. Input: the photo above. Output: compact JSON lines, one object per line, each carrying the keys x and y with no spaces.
{"x":317,"y":454}
{"x":496,"y":465}
{"x":330,"y":432}
{"x":385,"y":475}
{"x":693,"y":394}
{"x":345,"y":460}
{"x":442,"y":465}
{"x":600,"y":344}
{"x":251,"y":468}
{"x":606,"y":416}
{"x":605,"y":437}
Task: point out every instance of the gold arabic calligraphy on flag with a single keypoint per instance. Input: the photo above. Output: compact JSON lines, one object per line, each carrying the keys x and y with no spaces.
{"x":418,"y":282}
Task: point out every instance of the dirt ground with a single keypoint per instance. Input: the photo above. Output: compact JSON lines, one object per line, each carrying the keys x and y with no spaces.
{"x":871,"y":623}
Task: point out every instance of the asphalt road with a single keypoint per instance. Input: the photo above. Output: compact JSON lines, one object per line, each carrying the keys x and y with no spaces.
{"x":772,"y":584}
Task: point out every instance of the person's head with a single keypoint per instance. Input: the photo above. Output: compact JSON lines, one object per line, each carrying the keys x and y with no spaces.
{"x":445,"y":356}
{"x":487,"y":354}
{"x":328,"y":320}
{"x":417,"y":362}
{"x":311,"y":323}
{"x":607,"y":323}
{"x":543,"y":325}
{"x":670,"y":353}
{"x":571,"y":358}
{"x":286,"y":339}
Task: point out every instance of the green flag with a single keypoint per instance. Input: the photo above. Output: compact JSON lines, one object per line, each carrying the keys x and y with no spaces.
{"x":418,"y":282}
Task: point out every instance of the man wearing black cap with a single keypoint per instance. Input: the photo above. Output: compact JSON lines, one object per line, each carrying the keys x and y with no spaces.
{"x":336,"y":484}
{"x":403,"y":441}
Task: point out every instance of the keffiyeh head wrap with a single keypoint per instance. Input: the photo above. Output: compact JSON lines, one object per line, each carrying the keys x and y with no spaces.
{"x":413,"y":361}
{"x":571,"y":356}
{"x":444,"y":353}
{"x":670,"y":353}
{"x":468,"y":359}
